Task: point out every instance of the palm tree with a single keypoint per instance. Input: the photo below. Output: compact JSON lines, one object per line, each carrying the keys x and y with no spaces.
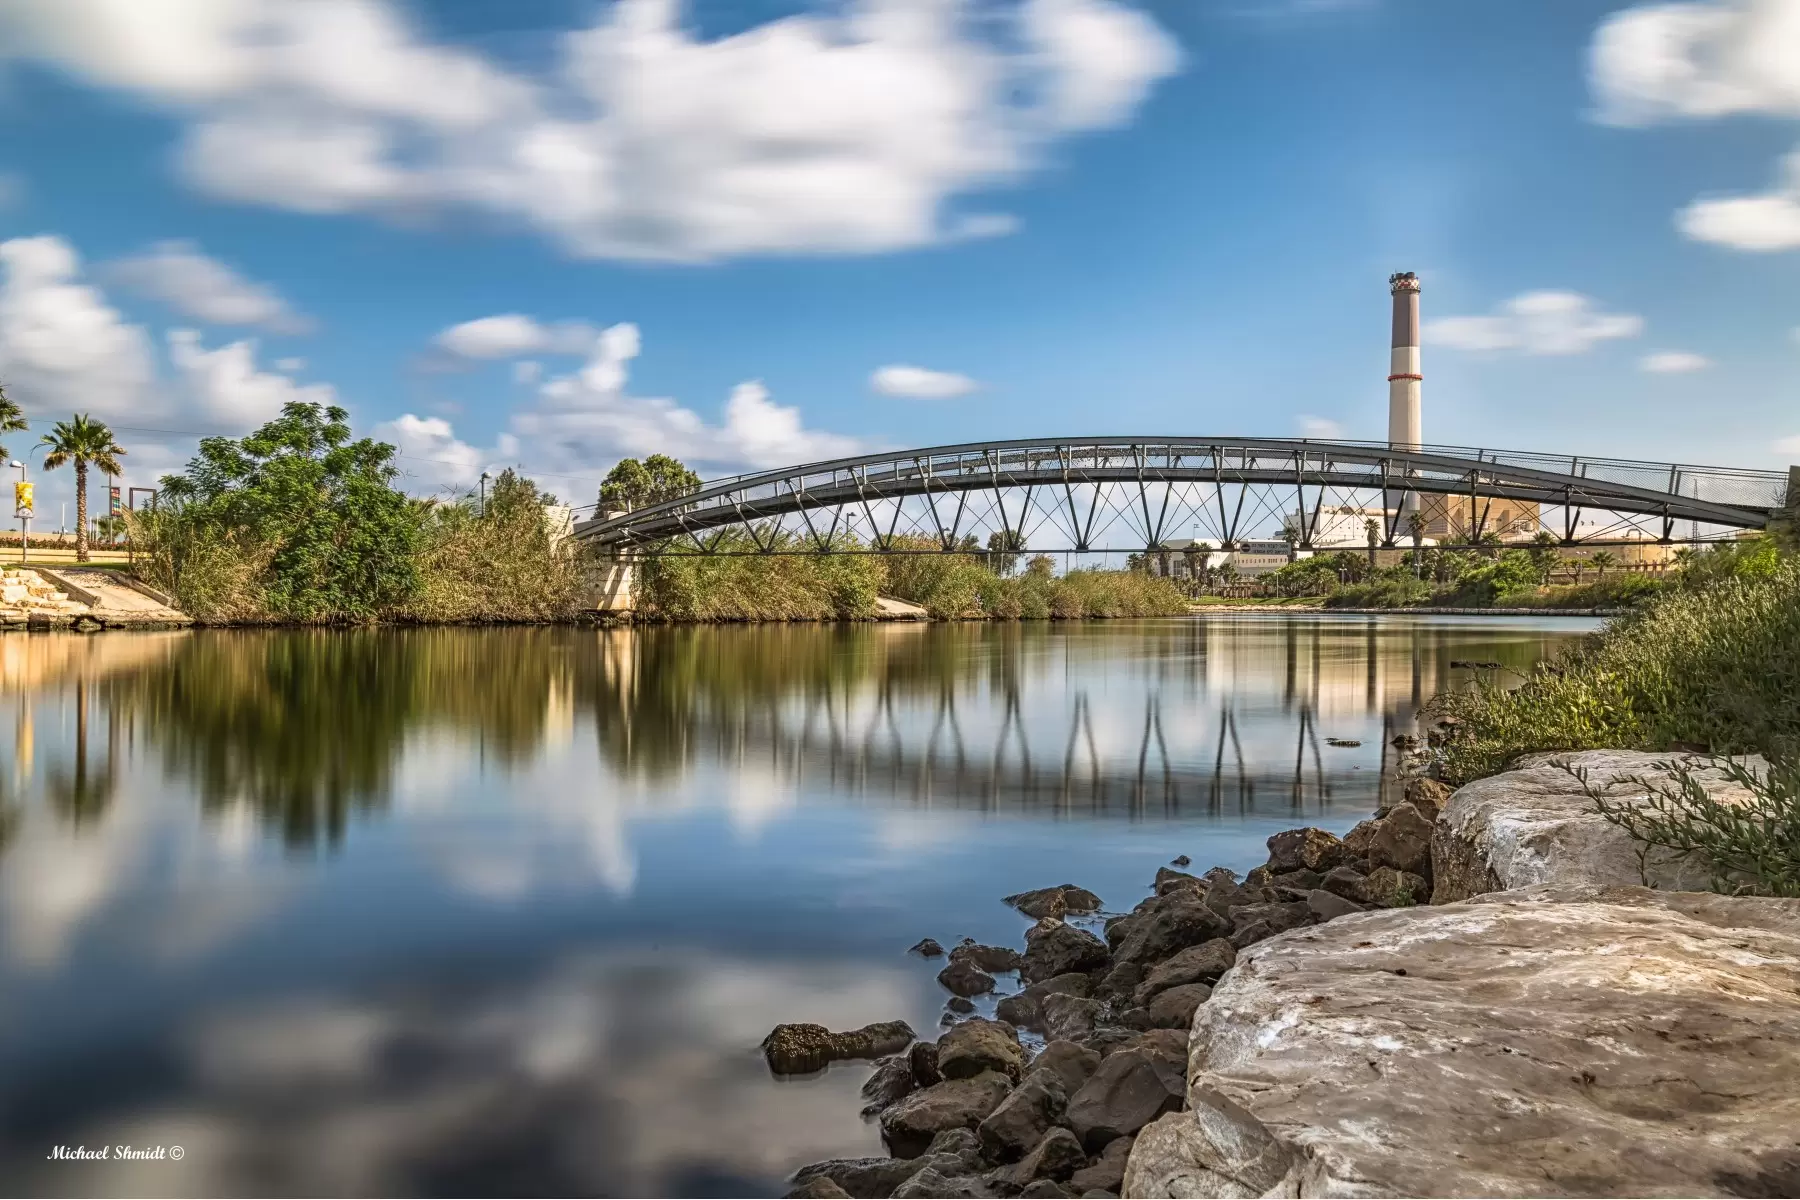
{"x":82,"y":442}
{"x":1415,"y":525}
{"x":1372,"y":530}
{"x":1603,"y":559}
{"x":11,"y":420}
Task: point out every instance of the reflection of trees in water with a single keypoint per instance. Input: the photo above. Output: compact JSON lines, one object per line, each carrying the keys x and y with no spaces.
{"x":77,"y":794}
{"x":306,"y":727}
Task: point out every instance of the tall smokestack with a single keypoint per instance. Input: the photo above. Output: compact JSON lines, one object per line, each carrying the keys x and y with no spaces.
{"x":1404,"y":430}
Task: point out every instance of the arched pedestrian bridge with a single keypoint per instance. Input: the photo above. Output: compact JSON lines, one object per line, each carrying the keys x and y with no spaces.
{"x":1085,"y":495}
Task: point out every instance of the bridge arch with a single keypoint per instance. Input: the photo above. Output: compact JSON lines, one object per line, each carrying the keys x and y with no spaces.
{"x":1107,"y":494}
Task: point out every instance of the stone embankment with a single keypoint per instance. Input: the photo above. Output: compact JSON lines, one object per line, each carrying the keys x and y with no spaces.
{"x":1547,"y":1027}
{"x":81,"y":599}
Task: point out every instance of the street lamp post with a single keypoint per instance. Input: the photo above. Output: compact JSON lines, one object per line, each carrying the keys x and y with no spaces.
{"x":23,"y":513}
{"x":484,"y":479}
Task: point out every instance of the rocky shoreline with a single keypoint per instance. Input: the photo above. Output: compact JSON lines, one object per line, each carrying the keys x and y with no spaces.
{"x":1088,"y":1042}
{"x":1470,"y":994}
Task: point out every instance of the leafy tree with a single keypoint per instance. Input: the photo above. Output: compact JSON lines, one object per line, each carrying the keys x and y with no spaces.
{"x":633,"y":485}
{"x":335,"y":541}
{"x":1004,"y":548}
{"x":85,"y":443}
{"x":12,"y":420}
{"x":1041,"y":566}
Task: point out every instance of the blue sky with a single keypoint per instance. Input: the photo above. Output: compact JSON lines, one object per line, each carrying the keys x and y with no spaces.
{"x":554,"y":233}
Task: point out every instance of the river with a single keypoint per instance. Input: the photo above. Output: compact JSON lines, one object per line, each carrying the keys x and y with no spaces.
{"x":508,"y":911}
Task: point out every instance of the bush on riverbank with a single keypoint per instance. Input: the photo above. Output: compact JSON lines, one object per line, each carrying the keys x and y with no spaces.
{"x":1713,"y":665}
{"x":737,"y":582}
{"x":497,"y":565}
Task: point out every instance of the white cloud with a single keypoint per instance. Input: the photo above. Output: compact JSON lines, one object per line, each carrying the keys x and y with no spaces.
{"x":1674,"y":362}
{"x":62,"y":347}
{"x":223,"y":388}
{"x":1763,"y":222}
{"x":1320,"y":429}
{"x":585,"y":420}
{"x":431,"y":452}
{"x":527,"y":371}
{"x":847,"y":129}
{"x":1536,"y":323}
{"x":205,"y":289}
{"x":1697,"y":60}
{"x":920,"y":383}
{"x":509,"y":335}
{"x":290,"y":364}
{"x":1789,"y":445}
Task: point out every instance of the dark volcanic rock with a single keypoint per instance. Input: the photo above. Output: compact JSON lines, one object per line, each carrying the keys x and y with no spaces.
{"x":1109,"y":1038}
{"x":939,"y":1185}
{"x":867,"y":1178}
{"x":1313,"y":849}
{"x":1132,"y":1088}
{"x":1197,"y":964}
{"x":1055,"y":901}
{"x":979,"y":1045}
{"x":1011,"y":1130}
{"x":1180,"y":861}
{"x":1174,"y":1009}
{"x":891,"y":1081}
{"x":910,"y":1125}
{"x":928,"y":948}
{"x":1326,"y":905}
{"x":1025,"y":1009}
{"x":1121,"y":981}
{"x":1348,"y":883}
{"x":1282,"y":916}
{"x":1059,"y":950}
{"x":961,"y":1143}
{"x":960,"y":1004}
{"x":1137,"y":1019}
{"x":1174,"y":924}
{"x":1403,"y":841}
{"x":966,"y":979}
{"x":1176,"y":881}
{"x":801,"y":1048}
{"x":924,"y":1056}
{"x":1301,"y":881}
{"x":1358,"y":840}
{"x":1044,"y":1189}
{"x":1070,"y":1018}
{"x":1070,"y":1063}
{"x":1107,"y":1171}
{"x":986,"y":958}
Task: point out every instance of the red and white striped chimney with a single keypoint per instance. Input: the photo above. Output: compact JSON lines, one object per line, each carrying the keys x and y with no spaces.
{"x":1404,"y":380}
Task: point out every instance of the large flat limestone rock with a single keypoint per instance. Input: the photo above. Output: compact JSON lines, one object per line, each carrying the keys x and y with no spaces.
{"x":1534,"y":825}
{"x":1551,"y":1042}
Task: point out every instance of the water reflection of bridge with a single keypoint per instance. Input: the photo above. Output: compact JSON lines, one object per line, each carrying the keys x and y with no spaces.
{"x":1185,"y":717}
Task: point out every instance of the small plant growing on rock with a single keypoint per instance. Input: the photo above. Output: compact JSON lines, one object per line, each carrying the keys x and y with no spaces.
{"x":1401,"y":897}
{"x":1751,"y":846}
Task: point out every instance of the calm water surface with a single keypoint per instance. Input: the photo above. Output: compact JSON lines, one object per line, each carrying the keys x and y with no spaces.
{"x":446,"y":911}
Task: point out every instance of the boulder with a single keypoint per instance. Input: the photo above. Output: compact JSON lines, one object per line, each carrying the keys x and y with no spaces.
{"x":819,"y":1187}
{"x":961,"y":1143}
{"x":1325,"y":905}
{"x":1132,"y":1088}
{"x":1551,"y":1041}
{"x":910,"y":1125}
{"x":1358,"y":840}
{"x":1070,"y":1018}
{"x":1388,"y":888}
{"x":1025,"y":1009}
{"x":1073,"y":1065}
{"x":927,"y":948}
{"x":1428,"y":796}
{"x":1402,"y":841}
{"x":1106,"y":1173}
{"x":1312,"y":849}
{"x":1137,"y":1018}
{"x":936,"y":1182}
{"x":1043,"y":1189}
{"x":1347,"y":883}
{"x":1535,"y":824}
{"x":1121,"y":981}
{"x":923,"y":1058}
{"x":891,"y":1081}
{"x":1171,"y":881}
{"x":960,"y":1004}
{"x":1109,"y":1038}
{"x":964,"y":978}
{"x":979,"y":1045}
{"x":1174,"y":1009}
{"x":1197,"y":964}
{"x":1055,"y":901}
{"x":1011,"y":1130}
{"x":1117,"y":928}
{"x":868,"y":1178}
{"x":1057,"y":1155}
{"x":802,"y":1048}
{"x":1174,"y":924}
{"x":1251,"y":923}
{"x":1060,"y":950}
{"x":1301,"y":881}
{"x":986,"y":958}
{"x":1180,"y":860}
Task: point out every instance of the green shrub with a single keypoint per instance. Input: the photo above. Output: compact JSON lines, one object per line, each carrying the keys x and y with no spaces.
{"x":1751,"y":847}
{"x":1716,"y":667}
{"x":497,"y":563}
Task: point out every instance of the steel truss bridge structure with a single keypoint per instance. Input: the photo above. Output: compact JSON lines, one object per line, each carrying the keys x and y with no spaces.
{"x":1109,"y":494}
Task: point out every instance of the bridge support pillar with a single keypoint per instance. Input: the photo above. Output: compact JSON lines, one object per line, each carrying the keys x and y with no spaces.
{"x":612,"y":583}
{"x":1784,"y":524}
